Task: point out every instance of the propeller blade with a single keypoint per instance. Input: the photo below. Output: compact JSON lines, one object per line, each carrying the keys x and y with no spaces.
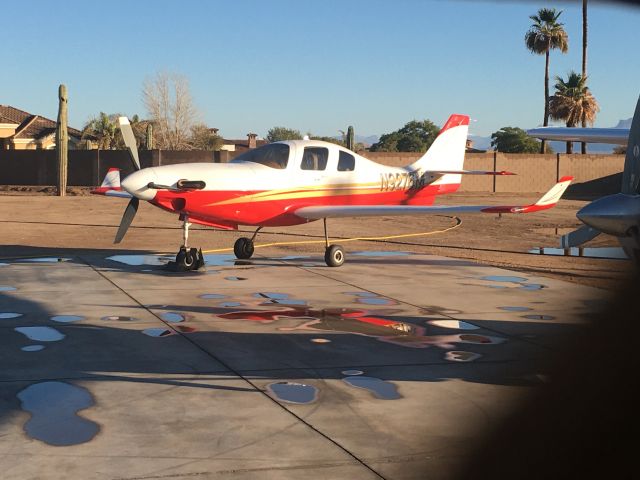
{"x":578,"y":237}
{"x":129,"y":141}
{"x":127,"y":218}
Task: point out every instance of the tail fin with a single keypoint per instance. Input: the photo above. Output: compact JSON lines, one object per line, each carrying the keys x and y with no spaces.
{"x":631,"y":174}
{"x":447,"y":151}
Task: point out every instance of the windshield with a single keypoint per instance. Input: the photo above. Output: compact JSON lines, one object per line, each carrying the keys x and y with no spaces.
{"x":274,"y":155}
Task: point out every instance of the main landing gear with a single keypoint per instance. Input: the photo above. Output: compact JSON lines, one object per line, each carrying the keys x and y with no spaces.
{"x":333,"y":254}
{"x":187,"y":258}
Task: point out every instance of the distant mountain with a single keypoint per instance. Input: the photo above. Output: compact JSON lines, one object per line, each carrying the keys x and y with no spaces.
{"x":624,"y":123}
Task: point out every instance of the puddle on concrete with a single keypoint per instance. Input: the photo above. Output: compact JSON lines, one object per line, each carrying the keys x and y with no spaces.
{"x":518,"y":281}
{"x":185,"y":329}
{"x":43,"y":260}
{"x":359,"y":322}
{"x":292,"y":392}
{"x":212,"y":296}
{"x":454,"y":324}
{"x":515,"y":309}
{"x":379,"y":388}
{"x":235,"y":279}
{"x":370,"y":298}
{"x":172,"y":317}
{"x":320,"y":340}
{"x":380,"y":253}
{"x":361,"y":294}
{"x":7,"y":288}
{"x":539,"y":317}
{"x":592,"y":252}
{"x":66,"y":318}
{"x":278,"y":298}
{"x":32,"y":348}
{"x":2,"y":264}
{"x":8,"y":315}
{"x":352,"y":372}
{"x":219,"y":260}
{"x":293,"y":257}
{"x":41,"y":334}
{"x":119,"y":318}
{"x":230,"y":304}
{"x":158,"y":332}
{"x":54,"y":408}
{"x":461,"y":356}
{"x":139,"y":260}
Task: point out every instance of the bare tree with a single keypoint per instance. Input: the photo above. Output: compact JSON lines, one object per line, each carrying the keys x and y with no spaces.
{"x":168,"y":101}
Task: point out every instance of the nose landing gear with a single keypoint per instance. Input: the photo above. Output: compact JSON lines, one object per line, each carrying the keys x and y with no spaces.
{"x":187,"y":258}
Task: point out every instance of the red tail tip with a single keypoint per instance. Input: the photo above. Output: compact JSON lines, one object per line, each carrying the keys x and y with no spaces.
{"x":455,"y":120}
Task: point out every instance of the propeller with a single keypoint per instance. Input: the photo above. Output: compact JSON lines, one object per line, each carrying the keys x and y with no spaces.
{"x":127,"y":218}
{"x":579,"y":236}
{"x":132,"y":206}
{"x":129,"y":141}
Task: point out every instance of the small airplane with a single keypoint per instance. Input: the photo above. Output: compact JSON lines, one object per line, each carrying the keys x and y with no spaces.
{"x":294,"y":182}
{"x":617,"y":214}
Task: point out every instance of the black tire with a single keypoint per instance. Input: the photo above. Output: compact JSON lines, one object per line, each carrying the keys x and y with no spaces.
{"x":243,"y":248}
{"x":185,"y":259}
{"x":334,"y":256}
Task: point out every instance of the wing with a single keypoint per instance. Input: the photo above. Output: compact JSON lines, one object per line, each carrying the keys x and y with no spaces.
{"x":618,"y":136}
{"x":548,"y":200}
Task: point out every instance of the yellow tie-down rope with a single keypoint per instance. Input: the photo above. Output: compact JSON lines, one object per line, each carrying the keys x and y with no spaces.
{"x":458,"y":221}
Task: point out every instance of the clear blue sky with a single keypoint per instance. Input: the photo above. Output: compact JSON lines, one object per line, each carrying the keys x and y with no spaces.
{"x":315,"y":66}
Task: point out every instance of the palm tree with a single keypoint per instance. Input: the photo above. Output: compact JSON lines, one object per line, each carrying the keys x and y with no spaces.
{"x":583,"y":146}
{"x":102,"y":130}
{"x":545,"y":34}
{"x":573,"y":102}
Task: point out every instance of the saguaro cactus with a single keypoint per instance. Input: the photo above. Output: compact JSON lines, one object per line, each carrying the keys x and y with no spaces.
{"x":149,"y":139}
{"x":62,"y":140}
{"x":351,"y":144}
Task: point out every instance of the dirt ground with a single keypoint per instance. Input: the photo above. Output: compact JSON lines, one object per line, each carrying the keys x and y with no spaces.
{"x":35,"y":223}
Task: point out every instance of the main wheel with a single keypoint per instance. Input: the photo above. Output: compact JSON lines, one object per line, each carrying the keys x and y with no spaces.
{"x":243,"y":248}
{"x":334,"y":256}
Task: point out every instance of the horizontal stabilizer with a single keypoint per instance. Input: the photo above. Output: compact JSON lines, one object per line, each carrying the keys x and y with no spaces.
{"x":111,"y":185}
{"x":468,"y":172}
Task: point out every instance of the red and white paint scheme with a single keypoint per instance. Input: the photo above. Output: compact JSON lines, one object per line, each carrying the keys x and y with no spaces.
{"x":293,"y":182}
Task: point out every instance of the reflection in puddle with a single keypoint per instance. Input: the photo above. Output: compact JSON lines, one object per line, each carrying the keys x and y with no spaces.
{"x":370,"y":298}
{"x":66,"y":318}
{"x":32,"y":348}
{"x":2,"y":264}
{"x":235,"y":279}
{"x":539,"y":317}
{"x":594,"y":252}
{"x":379,"y":388}
{"x":320,"y":340}
{"x":278,"y":298}
{"x":7,"y":288}
{"x":293,"y":257}
{"x":359,"y":322}
{"x":292,"y":392}
{"x":54,"y":419}
{"x":212,"y":296}
{"x":456,"y":324}
{"x":515,"y":309}
{"x":41,"y":334}
{"x":139,"y":260}
{"x":460,"y":356}
{"x":8,"y":315}
{"x":165,"y":332}
{"x":219,"y":260}
{"x":352,"y":372}
{"x":120,"y":318}
{"x":532,"y":286}
{"x":362,"y":294}
{"x":172,"y":317}
{"x":42,"y":260}
{"x":371,"y":253}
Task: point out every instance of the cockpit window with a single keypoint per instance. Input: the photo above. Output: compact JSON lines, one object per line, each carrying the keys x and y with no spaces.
{"x":346,"y":162}
{"x":314,"y":158}
{"x":274,"y":155}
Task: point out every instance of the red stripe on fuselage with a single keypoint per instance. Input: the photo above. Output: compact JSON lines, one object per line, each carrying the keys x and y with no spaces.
{"x":208,"y":205}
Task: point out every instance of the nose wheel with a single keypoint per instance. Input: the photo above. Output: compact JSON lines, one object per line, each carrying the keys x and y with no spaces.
{"x":333,"y":254}
{"x":187,"y":259}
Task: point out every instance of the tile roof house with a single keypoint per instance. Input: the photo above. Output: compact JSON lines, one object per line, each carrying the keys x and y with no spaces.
{"x":21,"y":130}
{"x":241,"y":146}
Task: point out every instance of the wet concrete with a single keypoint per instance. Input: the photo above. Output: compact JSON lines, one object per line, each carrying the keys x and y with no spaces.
{"x":286,"y":374}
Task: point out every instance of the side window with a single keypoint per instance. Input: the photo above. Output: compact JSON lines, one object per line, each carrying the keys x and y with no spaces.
{"x":314,"y":158}
{"x":346,"y":162}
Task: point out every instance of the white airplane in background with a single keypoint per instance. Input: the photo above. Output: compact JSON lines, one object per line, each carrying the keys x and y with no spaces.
{"x":294,"y":182}
{"x":618,"y":214}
